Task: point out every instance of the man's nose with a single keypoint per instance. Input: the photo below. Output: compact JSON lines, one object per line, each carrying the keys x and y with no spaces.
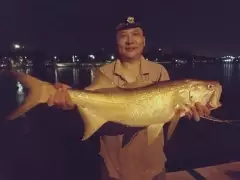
{"x":129,"y":39}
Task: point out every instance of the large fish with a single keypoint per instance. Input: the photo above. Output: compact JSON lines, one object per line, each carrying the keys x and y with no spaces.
{"x":151,"y":105}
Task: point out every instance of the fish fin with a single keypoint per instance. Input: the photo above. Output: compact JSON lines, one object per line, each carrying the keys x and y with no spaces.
{"x":38,"y":93}
{"x":174,"y":122}
{"x":91,"y":121}
{"x":153,"y":132}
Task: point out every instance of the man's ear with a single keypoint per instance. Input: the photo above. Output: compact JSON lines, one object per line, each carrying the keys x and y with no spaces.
{"x":144,"y":41}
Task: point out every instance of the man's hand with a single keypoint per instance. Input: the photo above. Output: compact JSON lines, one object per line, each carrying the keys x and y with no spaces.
{"x":61,"y":98}
{"x":197,"y":111}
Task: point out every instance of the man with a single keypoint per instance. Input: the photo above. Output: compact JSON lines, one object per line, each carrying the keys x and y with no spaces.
{"x":136,"y":160}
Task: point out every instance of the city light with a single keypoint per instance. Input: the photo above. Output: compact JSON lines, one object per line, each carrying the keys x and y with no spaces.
{"x":74,"y":58}
{"x":91,"y":56}
{"x":16,"y":46}
{"x":227,"y":58}
{"x":112,"y":57}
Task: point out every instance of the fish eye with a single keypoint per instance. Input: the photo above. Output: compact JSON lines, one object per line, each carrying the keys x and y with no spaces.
{"x":210,"y":86}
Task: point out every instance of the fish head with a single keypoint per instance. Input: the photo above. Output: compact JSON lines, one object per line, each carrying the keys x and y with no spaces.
{"x":205,"y":92}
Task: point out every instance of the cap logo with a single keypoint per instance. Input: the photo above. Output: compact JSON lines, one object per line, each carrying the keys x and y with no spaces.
{"x":130,"y":20}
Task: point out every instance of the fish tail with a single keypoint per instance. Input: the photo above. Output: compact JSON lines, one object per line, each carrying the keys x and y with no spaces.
{"x":92,"y":122}
{"x":38,"y":92}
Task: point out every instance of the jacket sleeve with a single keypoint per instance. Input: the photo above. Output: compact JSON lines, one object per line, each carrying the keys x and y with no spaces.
{"x":163,"y":74}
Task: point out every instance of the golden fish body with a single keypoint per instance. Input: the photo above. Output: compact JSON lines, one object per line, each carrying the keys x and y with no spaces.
{"x":150,"y":106}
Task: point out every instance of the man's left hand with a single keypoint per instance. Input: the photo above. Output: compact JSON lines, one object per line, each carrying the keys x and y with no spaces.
{"x":197,"y":111}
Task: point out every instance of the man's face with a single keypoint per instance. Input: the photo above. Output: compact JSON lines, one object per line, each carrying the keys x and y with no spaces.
{"x":130,"y":43}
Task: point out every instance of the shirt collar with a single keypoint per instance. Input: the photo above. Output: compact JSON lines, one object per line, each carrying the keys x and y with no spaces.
{"x":144,"y":65}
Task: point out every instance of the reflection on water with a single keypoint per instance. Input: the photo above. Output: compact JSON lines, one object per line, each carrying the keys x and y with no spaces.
{"x":75,"y":76}
{"x":20,"y":88}
{"x":20,"y":93}
{"x":238,"y":71}
{"x":227,"y":72}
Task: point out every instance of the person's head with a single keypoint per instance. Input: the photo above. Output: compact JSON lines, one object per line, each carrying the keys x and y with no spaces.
{"x":130,"y":40}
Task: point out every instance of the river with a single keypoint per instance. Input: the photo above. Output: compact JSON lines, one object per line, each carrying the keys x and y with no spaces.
{"x":193,"y":144}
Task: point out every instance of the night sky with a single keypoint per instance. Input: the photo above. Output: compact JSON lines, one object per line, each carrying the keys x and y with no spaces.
{"x":203,"y":27}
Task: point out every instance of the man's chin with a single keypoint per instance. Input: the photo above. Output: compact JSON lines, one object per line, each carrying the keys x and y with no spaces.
{"x":131,"y":56}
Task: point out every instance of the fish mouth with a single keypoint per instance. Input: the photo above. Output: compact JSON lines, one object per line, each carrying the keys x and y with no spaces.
{"x":211,"y":106}
{"x":214,"y":101}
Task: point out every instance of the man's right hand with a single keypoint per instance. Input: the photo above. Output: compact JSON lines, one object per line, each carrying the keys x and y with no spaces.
{"x":61,"y":98}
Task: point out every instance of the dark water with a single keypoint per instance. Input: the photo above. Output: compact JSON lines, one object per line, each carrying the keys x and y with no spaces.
{"x":46,"y":143}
